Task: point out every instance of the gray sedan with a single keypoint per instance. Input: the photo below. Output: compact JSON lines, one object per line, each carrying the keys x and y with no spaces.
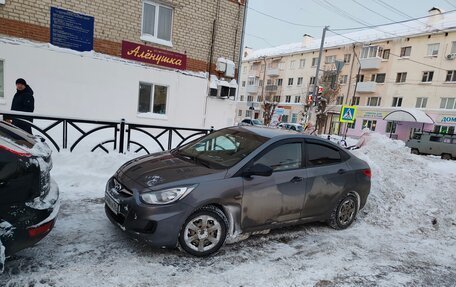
{"x":234,"y":181}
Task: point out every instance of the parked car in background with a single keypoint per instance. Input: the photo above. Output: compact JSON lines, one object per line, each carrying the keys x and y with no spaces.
{"x":443,"y":145}
{"x":234,"y":181}
{"x":291,"y":126}
{"x":251,"y":122}
{"x":29,"y":198}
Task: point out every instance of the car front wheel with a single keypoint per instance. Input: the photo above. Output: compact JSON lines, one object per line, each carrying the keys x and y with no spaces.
{"x":204,"y":232}
{"x":344,"y":213}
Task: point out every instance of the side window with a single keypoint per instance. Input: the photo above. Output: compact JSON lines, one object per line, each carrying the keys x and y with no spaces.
{"x":318,"y":154}
{"x":435,"y":139}
{"x":283,"y":157}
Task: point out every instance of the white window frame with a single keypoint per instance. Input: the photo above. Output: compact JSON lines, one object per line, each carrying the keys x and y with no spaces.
{"x":290,"y":81}
{"x":275,"y":98}
{"x":343,"y":79}
{"x":292,"y":64}
{"x":340,"y":100}
{"x":314,"y":61}
{"x":369,"y":52}
{"x":405,"y":50}
{"x":302,"y":63}
{"x":2,"y":80}
{"x":421,"y":102}
{"x":297,"y":99}
{"x":397,"y":102}
{"x":402,"y":78}
{"x":355,"y":101}
{"x":330,"y":59}
{"x":450,"y":77}
{"x":241,"y":98}
{"x":249,"y":98}
{"x":248,"y":113}
{"x":154,"y":38}
{"x":287,"y":99}
{"x":433,"y":49}
{"x":453,"y":47}
{"x":378,"y":101}
{"x":370,"y":124}
{"x":152,"y":98}
{"x":347,"y":58}
{"x":429,"y":76}
{"x":299,"y":83}
{"x":444,"y":103}
{"x":240,"y":113}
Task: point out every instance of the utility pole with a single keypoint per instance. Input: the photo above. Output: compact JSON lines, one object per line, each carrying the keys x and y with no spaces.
{"x":317,"y":72}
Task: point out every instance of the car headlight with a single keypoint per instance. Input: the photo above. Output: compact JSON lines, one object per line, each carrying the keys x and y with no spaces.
{"x":167,"y":195}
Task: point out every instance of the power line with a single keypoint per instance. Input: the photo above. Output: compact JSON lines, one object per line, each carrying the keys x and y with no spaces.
{"x":261,"y":38}
{"x":332,"y":8}
{"x":283,"y":20}
{"x":391,"y":8}
{"x":373,"y":11}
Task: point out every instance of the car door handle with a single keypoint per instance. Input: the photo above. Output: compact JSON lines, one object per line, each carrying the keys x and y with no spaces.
{"x":296,"y":179}
{"x":341,"y":171}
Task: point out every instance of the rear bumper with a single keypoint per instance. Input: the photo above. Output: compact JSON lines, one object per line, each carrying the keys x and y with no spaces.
{"x":33,"y":224}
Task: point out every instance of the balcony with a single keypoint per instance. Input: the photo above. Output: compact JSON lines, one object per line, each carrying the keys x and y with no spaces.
{"x":366,"y":87}
{"x":251,"y":89}
{"x":372,"y":63}
{"x":272,"y":72}
{"x":271,"y":88}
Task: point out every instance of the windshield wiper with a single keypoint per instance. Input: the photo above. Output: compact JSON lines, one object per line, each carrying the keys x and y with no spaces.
{"x":195,"y":159}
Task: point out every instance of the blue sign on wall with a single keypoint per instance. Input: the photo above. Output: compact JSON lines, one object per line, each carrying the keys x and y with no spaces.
{"x":71,"y":30}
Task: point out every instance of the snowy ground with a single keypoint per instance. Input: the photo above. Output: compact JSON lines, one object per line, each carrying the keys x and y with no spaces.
{"x":405,"y":236}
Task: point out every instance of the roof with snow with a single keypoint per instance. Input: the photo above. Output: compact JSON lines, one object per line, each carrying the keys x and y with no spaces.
{"x":444,"y":21}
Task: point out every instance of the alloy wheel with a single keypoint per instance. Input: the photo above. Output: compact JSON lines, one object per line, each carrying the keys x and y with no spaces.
{"x":202,"y":233}
{"x":347,"y":211}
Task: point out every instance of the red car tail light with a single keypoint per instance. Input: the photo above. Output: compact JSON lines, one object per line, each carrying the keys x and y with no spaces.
{"x":367,"y":172}
{"x":15,"y":151}
{"x":35,"y":231}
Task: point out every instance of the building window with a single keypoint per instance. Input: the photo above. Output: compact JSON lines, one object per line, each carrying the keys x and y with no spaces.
{"x":240,"y":113}
{"x":314,"y":61}
{"x":427,"y":77}
{"x":152,"y":98}
{"x":397,"y":102}
{"x":390,"y":127}
{"x":297,"y":99}
{"x":448,"y":103}
{"x":248,"y":113}
{"x":453,"y":47}
{"x":386,"y":54}
{"x":312,"y":81}
{"x":406,"y":51}
{"x":276,"y":99}
{"x":302,"y":63}
{"x":244,"y":70}
{"x":290,"y":81}
{"x":347,"y":58}
{"x":343,"y":79}
{"x":340,"y":100}
{"x":260,"y":83}
{"x":374,"y":101}
{"x":157,"y":23}
{"x":249,"y":98}
{"x":2,"y":84}
{"x":260,"y":99}
{"x":330,"y":59}
{"x":243,"y":83}
{"x":279,"y":82}
{"x":355,"y":101}
{"x":294,"y":118}
{"x":379,"y":78}
{"x":370,"y":124}
{"x":280,"y":66}
{"x":433,"y":50}
{"x":451,"y":76}
{"x":369,"y":52}
{"x":252,"y":81}
{"x":421,"y":103}
{"x":241,"y":98}
{"x":287,"y":99}
{"x":401,"y":77}
{"x":351,"y":125}
{"x":292,"y":64}
{"x":299,"y":81}
{"x":360,"y":78}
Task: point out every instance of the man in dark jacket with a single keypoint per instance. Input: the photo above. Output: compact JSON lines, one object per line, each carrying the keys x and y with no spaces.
{"x":23,"y":101}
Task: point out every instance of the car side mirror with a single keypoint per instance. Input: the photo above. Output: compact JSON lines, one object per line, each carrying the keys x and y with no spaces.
{"x":258,"y":169}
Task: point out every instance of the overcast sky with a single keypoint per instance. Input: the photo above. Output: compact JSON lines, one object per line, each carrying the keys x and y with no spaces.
{"x":264,"y":31}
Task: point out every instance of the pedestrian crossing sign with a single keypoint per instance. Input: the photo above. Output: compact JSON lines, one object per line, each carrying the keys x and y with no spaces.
{"x":347,"y":114}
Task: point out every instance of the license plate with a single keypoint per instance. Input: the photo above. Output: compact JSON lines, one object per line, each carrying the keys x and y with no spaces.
{"x":111,"y":203}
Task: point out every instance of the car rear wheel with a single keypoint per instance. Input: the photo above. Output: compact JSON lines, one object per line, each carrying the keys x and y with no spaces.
{"x":204,"y":232}
{"x":345,"y":213}
{"x":446,"y":156}
{"x":415,"y":151}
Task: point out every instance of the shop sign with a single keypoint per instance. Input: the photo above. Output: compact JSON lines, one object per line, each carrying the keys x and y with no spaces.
{"x":152,"y":55}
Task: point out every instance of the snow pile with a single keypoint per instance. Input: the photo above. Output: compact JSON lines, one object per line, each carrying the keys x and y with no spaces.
{"x":2,"y":257}
{"x":6,"y":230}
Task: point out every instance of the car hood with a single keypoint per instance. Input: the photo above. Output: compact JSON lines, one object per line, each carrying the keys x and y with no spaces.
{"x":161,"y":170}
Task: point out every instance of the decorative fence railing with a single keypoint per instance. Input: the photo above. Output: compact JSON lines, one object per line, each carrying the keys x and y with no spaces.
{"x":122,"y":136}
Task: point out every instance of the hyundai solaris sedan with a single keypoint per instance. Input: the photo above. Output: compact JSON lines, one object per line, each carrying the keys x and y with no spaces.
{"x":233,"y":181}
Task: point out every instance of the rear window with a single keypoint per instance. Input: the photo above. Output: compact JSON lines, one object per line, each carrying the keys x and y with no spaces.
{"x":15,"y":135}
{"x":318,"y":154}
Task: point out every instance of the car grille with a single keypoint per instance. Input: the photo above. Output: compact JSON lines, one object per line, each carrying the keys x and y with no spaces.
{"x":119,"y":188}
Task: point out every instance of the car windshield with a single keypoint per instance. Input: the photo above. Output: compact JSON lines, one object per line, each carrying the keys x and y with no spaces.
{"x":257,"y":122}
{"x":221,"y":149}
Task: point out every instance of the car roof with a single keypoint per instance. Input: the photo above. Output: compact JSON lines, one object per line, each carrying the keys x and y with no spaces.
{"x":272,"y":132}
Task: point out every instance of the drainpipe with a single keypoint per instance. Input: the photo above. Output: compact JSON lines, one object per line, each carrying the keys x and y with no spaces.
{"x":241,"y":47}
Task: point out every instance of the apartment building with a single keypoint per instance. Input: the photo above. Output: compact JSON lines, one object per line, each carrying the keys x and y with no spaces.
{"x":148,"y":61}
{"x":402,"y":77}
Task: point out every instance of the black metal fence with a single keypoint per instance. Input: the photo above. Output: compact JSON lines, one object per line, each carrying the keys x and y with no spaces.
{"x":122,"y":136}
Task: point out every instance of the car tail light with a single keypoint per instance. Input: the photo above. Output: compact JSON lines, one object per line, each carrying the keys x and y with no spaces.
{"x":367,"y":172}
{"x":35,"y":231}
{"x":15,"y":151}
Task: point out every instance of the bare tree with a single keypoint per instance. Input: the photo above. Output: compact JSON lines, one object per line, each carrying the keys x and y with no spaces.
{"x":269,"y":107}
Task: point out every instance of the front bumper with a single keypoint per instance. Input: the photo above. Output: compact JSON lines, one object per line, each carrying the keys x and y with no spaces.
{"x":31,"y":223}
{"x":159,"y":225}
